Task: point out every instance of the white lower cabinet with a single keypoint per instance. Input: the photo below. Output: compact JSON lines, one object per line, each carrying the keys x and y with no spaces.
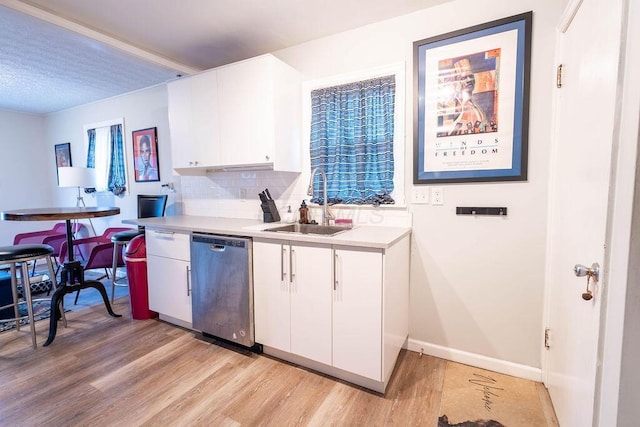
{"x":292,"y":298}
{"x":344,"y":307}
{"x":168,"y":271}
{"x":357,"y":312}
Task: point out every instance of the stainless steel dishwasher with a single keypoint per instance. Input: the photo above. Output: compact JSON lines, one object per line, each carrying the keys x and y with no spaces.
{"x":222,"y":287}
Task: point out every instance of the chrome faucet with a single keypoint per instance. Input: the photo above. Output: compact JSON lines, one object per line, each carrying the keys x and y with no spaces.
{"x":325,"y":215}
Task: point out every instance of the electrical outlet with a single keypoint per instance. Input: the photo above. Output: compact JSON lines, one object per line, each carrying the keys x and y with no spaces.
{"x":437,"y":198}
{"x":420,"y":196}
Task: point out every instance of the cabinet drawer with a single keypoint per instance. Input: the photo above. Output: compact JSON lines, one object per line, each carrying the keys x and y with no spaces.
{"x":168,"y":244}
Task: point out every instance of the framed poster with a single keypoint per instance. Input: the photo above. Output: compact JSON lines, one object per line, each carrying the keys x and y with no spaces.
{"x":472,"y":103}
{"x":145,"y":154}
{"x":63,"y":156}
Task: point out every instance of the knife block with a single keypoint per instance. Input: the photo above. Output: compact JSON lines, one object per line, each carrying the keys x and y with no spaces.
{"x":270,"y":211}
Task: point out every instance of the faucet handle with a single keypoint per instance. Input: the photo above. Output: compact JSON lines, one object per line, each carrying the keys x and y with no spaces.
{"x":328,"y":216}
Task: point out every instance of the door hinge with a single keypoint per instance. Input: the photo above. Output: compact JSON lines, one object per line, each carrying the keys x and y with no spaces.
{"x":546,"y":338}
{"x":559,"y":76}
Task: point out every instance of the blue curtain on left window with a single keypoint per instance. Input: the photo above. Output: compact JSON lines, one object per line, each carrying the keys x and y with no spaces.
{"x":91,"y":153}
{"x":352,"y":129}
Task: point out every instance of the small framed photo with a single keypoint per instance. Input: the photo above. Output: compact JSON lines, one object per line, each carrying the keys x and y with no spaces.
{"x":63,"y":156}
{"x":472,"y":103}
{"x":145,"y":155}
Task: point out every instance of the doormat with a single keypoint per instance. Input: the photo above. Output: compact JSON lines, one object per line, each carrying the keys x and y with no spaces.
{"x":473,"y":397}
{"x":41,"y":310}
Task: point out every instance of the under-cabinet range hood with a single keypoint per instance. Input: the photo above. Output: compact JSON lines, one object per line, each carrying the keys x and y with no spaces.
{"x":203,"y":170}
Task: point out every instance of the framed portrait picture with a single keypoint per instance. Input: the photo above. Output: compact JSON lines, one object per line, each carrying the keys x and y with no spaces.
{"x":472,"y":103}
{"x":63,"y":156}
{"x":145,"y":155}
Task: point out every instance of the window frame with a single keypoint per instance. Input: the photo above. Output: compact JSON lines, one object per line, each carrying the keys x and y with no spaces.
{"x":108,"y":123}
{"x":397,"y":70}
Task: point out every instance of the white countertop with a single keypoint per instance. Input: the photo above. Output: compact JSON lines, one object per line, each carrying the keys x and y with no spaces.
{"x":361,"y":236}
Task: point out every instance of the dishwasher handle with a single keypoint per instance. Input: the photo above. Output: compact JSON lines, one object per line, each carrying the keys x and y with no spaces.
{"x":188,"y":280}
{"x":217,"y":248}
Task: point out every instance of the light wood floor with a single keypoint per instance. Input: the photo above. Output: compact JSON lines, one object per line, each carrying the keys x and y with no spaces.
{"x":121,"y":372}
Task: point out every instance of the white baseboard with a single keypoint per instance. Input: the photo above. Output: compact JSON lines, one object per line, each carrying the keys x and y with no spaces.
{"x":477,"y":360}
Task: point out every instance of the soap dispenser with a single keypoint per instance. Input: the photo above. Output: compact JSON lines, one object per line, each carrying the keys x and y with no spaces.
{"x":304,"y":213}
{"x":289,"y":217}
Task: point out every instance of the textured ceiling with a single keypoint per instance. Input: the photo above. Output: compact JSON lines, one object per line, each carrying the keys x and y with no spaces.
{"x":44,"y":68}
{"x":57,"y":54}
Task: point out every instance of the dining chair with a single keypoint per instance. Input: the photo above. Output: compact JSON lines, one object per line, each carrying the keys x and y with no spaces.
{"x":52,"y":237}
{"x":149,"y":206}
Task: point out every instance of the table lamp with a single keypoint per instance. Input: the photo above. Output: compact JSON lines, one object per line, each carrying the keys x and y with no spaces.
{"x":72,"y":176}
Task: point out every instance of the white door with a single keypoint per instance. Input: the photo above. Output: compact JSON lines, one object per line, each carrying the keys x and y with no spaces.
{"x":582,"y":150}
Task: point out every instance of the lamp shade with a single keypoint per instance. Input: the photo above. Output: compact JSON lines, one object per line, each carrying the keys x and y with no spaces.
{"x":76,"y":177}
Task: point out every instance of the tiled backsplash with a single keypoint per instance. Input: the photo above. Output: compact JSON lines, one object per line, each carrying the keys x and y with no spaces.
{"x":235,"y":195}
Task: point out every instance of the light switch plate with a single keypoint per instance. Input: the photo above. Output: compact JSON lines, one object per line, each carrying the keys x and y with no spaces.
{"x":420,"y":196}
{"x":437,"y":198}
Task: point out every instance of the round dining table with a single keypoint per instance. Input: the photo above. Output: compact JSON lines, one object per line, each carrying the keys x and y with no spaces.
{"x":72,"y":273}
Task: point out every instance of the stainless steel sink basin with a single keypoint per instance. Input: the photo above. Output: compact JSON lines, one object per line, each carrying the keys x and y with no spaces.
{"x":324,"y":230}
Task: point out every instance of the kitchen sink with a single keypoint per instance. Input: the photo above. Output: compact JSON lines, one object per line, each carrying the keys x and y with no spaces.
{"x":324,"y":230}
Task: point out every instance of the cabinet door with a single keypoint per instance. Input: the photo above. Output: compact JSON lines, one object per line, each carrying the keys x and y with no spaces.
{"x":169,"y":287}
{"x":180,"y":123}
{"x":271,"y":294}
{"x":357,"y":312}
{"x":245,"y":90}
{"x":311,"y":302}
{"x":193,"y":120}
{"x":204,"y":107}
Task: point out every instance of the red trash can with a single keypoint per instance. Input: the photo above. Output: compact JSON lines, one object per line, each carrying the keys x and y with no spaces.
{"x":135,"y":259}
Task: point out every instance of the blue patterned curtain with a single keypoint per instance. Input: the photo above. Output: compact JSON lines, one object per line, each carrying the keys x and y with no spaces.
{"x":352,"y":141}
{"x":117,"y":180}
{"x":91,"y":154}
{"x":117,"y":177}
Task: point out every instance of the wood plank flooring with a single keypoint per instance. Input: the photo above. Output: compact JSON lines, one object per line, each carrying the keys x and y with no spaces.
{"x":121,"y":372}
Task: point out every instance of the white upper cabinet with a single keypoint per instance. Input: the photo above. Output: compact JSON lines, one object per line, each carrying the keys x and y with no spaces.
{"x":245,"y":115}
{"x":193,"y":121}
{"x":260,"y":114}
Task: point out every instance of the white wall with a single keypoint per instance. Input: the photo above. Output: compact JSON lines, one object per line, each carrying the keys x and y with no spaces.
{"x":25,"y":170}
{"x":140,"y":110}
{"x":476,"y":283}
